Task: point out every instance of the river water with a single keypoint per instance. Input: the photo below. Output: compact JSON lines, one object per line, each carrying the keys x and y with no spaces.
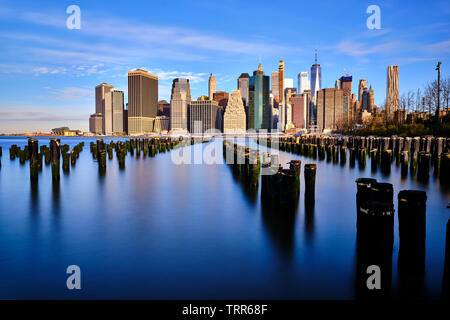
{"x":158,"y":230}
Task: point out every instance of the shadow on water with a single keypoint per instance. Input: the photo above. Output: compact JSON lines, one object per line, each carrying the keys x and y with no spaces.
{"x":280,"y":228}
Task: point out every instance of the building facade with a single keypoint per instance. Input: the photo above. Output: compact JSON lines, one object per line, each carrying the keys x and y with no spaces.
{"x":103,"y":103}
{"x":234,"y":119}
{"x":392,"y":92}
{"x":142,"y":101}
{"x":202,"y":116}
{"x":96,"y":123}
{"x":330,"y":104}
{"x":179,"y":101}
{"x":242,"y":85}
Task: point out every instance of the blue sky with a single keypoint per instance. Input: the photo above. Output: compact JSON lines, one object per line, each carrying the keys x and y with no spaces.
{"x":48,"y":72}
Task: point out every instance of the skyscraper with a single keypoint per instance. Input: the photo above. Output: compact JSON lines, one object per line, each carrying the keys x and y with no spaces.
{"x":392,"y":91}
{"x":330,"y":105}
{"x":288,"y":93}
{"x":259,"y":109}
{"x":142,"y":101}
{"x":202,"y":116}
{"x":316,"y":77}
{"x":346,"y":85}
{"x":275,"y":75}
{"x":101,"y":92}
{"x":300,"y":109}
{"x":117,"y":99}
{"x":221,"y":97}
{"x":281,"y":80}
{"x":362,"y":86}
{"x":234,"y":119}
{"x":303,"y":82}
{"x":211,"y":86}
{"x":243,"y":82}
{"x":179,"y":101}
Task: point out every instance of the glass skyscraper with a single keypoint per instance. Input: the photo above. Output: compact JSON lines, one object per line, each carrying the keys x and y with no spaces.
{"x":259,"y":109}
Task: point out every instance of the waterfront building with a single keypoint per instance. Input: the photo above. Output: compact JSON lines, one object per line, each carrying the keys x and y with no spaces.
{"x":179,"y":101}
{"x":242,"y":85}
{"x":142,"y":101}
{"x":162,"y":124}
{"x":96,"y":123}
{"x":234,"y":119}
{"x":392,"y":91}
{"x":202,"y":116}
{"x":211,"y":86}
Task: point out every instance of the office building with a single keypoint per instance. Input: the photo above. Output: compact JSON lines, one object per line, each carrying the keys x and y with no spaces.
{"x":300,"y":109}
{"x":361,"y":88}
{"x":96,"y":123}
{"x":202,"y":116}
{"x":163,"y":108}
{"x":101,"y":94}
{"x":259,"y":109}
{"x":234,"y":119}
{"x":142,"y":101}
{"x":243,"y":82}
{"x":288,"y":93}
{"x":179,"y":101}
{"x":275,"y":85}
{"x":330,"y":105}
{"x":303,"y":82}
{"x":117,"y":99}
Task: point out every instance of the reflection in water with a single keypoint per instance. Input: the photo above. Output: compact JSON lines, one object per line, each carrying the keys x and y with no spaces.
{"x":446,"y":277}
{"x":56,"y":196}
{"x":309,"y":220}
{"x":34,"y":195}
{"x":250,"y":190}
{"x":280,"y":228}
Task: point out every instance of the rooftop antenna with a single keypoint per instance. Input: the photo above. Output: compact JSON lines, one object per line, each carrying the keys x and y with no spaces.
{"x":315,"y":51}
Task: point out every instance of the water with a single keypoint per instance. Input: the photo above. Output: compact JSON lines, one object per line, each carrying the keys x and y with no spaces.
{"x":163,"y":231}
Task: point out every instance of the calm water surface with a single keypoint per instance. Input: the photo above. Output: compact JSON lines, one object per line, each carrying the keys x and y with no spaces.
{"x":163,"y":231}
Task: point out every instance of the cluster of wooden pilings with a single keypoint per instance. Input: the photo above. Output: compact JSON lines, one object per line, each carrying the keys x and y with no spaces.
{"x":245,"y":164}
{"x":375,"y":232}
{"x":51,"y":155}
{"x":145,"y":147}
{"x":414,"y":154}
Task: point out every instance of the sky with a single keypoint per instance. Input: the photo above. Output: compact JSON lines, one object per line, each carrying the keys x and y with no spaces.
{"x":48,"y":72}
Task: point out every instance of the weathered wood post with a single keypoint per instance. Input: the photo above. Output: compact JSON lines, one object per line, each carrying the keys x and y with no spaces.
{"x":55,"y":150}
{"x":310,"y":183}
{"x":423,"y":172}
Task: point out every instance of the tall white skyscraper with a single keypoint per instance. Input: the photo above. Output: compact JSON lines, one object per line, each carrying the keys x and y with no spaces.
{"x":316,"y":77}
{"x":303,"y":82}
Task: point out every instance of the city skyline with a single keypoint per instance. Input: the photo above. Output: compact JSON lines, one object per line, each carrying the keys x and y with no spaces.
{"x":59,"y":67}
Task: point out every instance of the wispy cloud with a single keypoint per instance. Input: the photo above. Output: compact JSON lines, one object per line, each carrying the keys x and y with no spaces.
{"x":71,"y":93}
